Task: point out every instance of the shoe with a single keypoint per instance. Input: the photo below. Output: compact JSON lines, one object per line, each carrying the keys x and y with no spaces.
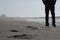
{"x":47,"y":24}
{"x":54,"y":25}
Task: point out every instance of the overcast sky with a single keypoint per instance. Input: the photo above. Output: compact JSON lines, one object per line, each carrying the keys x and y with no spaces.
{"x":25,"y":8}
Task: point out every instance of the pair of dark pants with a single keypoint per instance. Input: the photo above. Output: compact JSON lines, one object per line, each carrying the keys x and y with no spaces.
{"x":52,"y":9}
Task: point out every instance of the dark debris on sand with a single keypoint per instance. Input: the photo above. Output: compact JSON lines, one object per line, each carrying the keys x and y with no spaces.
{"x":23,"y":36}
{"x":14,"y":30}
{"x":31,"y":27}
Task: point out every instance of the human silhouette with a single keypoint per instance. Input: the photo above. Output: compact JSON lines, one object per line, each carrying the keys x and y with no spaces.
{"x":49,"y":5}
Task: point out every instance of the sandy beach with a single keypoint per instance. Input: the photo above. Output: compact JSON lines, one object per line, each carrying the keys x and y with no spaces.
{"x":28,"y":30}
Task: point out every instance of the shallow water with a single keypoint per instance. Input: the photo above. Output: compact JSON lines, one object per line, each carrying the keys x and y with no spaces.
{"x":42,"y":20}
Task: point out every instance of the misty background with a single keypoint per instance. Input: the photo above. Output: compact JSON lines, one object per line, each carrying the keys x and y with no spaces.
{"x":25,"y":8}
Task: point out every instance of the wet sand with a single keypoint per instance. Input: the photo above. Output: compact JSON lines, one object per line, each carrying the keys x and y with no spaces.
{"x":11,"y":27}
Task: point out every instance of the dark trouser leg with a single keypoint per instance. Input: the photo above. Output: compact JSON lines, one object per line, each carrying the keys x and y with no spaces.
{"x":53,"y":14}
{"x":47,"y":15}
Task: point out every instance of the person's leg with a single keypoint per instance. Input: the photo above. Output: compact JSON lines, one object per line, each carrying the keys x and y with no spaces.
{"x":53,"y":15}
{"x":47,"y":15}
